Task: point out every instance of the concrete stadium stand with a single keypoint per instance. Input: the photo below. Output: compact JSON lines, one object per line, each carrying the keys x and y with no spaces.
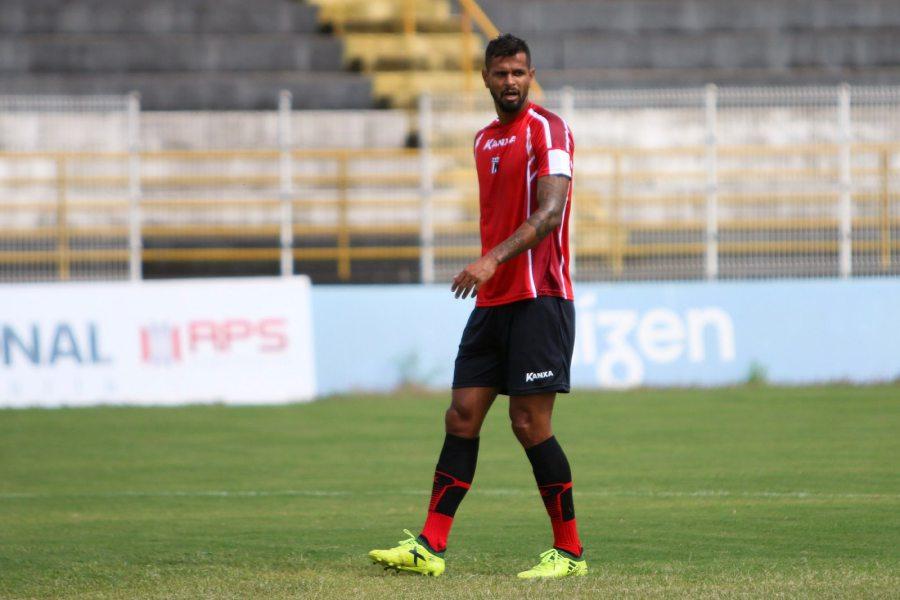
{"x":179,"y":54}
{"x":622,"y":16}
{"x":774,"y":50}
{"x":642,"y":43}
{"x":205,"y":90}
{"x":169,"y":53}
{"x":161,"y":16}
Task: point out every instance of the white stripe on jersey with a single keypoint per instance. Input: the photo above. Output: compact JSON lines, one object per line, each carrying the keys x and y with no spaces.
{"x":542,"y":119}
{"x":558,"y":161}
{"x":528,"y":209}
{"x":562,"y":256}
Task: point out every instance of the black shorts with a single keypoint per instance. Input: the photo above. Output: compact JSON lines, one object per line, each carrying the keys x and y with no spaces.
{"x":520,"y":348}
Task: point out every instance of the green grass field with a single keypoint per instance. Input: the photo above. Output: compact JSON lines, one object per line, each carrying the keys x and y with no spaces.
{"x":744,"y":492}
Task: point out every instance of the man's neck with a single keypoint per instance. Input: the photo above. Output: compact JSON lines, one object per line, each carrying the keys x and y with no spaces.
{"x":506,"y":118}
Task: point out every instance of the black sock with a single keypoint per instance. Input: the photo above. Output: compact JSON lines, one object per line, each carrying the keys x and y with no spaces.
{"x":554,"y":480}
{"x":452,"y":479}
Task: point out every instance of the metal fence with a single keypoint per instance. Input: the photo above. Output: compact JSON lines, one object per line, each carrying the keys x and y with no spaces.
{"x":721,"y":183}
{"x":670,"y":184}
{"x":69,"y":213}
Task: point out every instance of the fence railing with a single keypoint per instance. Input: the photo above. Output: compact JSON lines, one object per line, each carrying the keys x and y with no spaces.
{"x":346,"y":228}
{"x":719,"y":204}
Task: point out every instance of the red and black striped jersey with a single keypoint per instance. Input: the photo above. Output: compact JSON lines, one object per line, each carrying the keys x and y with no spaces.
{"x":510,"y":159}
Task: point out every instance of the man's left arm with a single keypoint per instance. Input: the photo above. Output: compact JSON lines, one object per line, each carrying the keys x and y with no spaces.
{"x":552,"y":194}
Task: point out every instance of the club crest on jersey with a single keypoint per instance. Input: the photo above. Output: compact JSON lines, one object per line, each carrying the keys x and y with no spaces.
{"x":495,"y":164}
{"x":492,"y":143}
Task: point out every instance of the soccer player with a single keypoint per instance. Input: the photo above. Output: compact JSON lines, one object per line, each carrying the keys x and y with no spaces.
{"x":519,"y":338}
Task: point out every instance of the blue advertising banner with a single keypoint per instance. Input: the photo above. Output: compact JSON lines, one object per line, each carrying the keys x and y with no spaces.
{"x":634,"y":334}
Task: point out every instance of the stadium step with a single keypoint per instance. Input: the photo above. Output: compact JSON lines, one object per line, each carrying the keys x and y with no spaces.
{"x":169,"y":52}
{"x":407,"y":47}
{"x":161,"y":16}
{"x":179,"y":54}
{"x":630,"y":16}
{"x":403,"y":88}
{"x":389,"y":52}
{"x":655,"y":78}
{"x":368,"y":13}
{"x":775,"y":50}
{"x":205,"y":90}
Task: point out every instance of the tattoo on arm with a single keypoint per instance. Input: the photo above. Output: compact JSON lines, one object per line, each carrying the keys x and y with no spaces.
{"x":552,"y":194}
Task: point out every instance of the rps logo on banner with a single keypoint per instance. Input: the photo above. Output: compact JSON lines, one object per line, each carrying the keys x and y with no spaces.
{"x":167,"y":344}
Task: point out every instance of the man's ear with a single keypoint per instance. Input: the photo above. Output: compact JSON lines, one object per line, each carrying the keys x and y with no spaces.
{"x":484,"y":77}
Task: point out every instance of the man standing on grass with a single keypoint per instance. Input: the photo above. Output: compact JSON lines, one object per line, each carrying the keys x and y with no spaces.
{"x":519,"y":338}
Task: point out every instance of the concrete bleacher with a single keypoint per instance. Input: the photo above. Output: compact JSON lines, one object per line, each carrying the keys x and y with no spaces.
{"x":619,"y":43}
{"x":179,"y":54}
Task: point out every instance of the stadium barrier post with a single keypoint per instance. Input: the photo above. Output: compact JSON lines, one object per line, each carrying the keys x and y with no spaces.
{"x":343,"y":233}
{"x":135,"y":241}
{"x":615,"y":212}
{"x":885,"y":209}
{"x":466,"y":51}
{"x":712,"y":182}
{"x":62,"y":219}
{"x":286,"y":191}
{"x":409,"y":17}
{"x":567,"y":108}
{"x":845,"y":209}
{"x":426,"y":191}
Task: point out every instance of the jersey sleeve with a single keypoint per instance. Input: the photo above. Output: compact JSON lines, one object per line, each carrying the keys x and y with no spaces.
{"x":552,"y":146}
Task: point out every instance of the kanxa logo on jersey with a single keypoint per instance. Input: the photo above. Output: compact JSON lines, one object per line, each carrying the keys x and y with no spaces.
{"x":493,"y":143}
{"x":165,"y":343}
{"x":529,"y":377}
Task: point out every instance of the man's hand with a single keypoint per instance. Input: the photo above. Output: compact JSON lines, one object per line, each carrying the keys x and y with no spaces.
{"x":473,"y":277}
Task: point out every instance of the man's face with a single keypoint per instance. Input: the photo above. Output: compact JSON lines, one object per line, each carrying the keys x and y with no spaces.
{"x":508,"y":79}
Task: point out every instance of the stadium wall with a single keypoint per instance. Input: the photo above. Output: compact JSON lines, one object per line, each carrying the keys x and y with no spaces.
{"x":642,"y":334}
{"x":246,"y":341}
{"x":265,"y":340}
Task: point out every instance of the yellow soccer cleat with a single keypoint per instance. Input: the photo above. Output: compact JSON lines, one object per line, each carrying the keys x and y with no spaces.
{"x":555,"y":565}
{"x":410,"y":556}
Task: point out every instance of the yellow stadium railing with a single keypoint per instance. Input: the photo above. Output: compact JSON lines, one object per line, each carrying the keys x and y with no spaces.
{"x":346,"y":215}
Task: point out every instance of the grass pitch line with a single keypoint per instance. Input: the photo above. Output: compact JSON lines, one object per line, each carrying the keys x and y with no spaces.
{"x":486,"y":491}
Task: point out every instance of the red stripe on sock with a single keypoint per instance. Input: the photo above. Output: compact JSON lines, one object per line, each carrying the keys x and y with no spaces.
{"x":437,"y":525}
{"x":565,"y":533}
{"x":436,"y":530}
{"x":443,"y":482}
{"x":565,"y":536}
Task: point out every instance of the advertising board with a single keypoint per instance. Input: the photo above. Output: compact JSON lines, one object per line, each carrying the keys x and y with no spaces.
{"x":156,"y":342}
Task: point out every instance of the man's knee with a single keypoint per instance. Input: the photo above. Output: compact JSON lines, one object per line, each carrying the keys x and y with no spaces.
{"x":529,"y":428}
{"x":461,"y":422}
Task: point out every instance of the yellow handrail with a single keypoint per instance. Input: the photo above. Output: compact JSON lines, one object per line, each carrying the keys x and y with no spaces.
{"x":361,"y":205}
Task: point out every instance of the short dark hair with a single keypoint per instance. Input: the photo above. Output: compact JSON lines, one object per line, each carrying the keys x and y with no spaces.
{"x":505,"y":45}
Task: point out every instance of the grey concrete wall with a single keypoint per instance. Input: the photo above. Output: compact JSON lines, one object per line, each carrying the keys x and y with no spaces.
{"x":157,"y":16}
{"x":168,"y":52}
{"x":623,"y":43}
{"x":655,"y":78}
{"x":569,"y":16}
{"x":773,"y":50}
{"x":215,"y":91}
{"x":179,"y":54}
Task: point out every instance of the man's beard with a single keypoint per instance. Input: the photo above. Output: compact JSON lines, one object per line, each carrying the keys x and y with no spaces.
{"x":507,"y":106}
